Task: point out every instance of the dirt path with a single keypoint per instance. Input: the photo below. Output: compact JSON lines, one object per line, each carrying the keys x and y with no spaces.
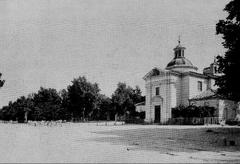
{"x":206,"y":143}
{"x":124,"y":143}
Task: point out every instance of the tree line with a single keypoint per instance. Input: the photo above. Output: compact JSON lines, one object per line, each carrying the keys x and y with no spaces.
{"x":81,"y":100}
{"x":229,"y":63}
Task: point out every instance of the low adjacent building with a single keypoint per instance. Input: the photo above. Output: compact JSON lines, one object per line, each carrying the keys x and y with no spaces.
{"x":226,"y":109}
{"x":140,"y":107}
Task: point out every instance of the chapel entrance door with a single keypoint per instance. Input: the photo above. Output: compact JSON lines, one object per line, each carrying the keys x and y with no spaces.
{"x":157,"y":113}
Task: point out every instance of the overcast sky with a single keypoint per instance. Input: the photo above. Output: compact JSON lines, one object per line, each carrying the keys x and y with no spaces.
{"x":49,"y":42}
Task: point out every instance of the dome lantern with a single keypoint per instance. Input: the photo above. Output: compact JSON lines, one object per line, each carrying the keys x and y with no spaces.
{"x":179,"y":62}
{"x":179,"y":50}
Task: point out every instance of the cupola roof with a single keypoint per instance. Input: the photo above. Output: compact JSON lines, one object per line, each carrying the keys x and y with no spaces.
{"x":179,"y":62}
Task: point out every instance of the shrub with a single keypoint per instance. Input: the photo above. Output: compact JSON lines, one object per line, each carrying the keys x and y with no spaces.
{"x":193,"y":111}
{"x":233,"y":122}
{"x":134,"y":121}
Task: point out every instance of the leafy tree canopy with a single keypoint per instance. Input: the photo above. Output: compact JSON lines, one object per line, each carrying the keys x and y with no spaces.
{"x":83,"y":96}
{"x":229,"y":63}
{"x":1,"y":81}
{"x":125,"y":97}
{"x":47,"y":104}
{"x":16,"y":110}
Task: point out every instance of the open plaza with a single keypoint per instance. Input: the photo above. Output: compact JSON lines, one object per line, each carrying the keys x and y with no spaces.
{"x":118,"y":143}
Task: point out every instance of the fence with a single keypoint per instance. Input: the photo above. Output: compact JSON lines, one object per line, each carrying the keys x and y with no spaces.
{"x":211,"y":120}
{"x":193,"y":121}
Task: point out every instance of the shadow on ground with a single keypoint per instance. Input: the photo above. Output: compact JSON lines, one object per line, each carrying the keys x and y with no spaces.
{"x":165,"y":140}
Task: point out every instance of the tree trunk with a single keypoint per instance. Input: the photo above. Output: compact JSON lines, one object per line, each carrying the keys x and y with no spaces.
{"x":108,"y":116}
{"x":83,"y":114}
{"x":26,"y":117}
{"x":116,"y":116}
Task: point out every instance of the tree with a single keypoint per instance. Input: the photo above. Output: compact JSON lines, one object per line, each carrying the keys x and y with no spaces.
{"x":4,"y":115}
{"x":65,"y":98}
{"x":121,"y":98}
{"x":47,"y":103}
{"x":65,"y":104}
{"x":1,"y":81}
{"x":22,"y":107}
{"x":124,"y":99}
{"x":17,"y":110}
{"x":229,"y":63}
{"x":137,"y":95}
{"x":11,"y":113}
{"x":104,"y":110}
{"x":83,"y":97}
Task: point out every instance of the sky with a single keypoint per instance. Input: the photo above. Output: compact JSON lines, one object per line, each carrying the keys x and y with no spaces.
{"x":48,"y":43}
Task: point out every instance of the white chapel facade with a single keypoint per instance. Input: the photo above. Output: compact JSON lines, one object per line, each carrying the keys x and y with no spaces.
{"x":175,"y":85}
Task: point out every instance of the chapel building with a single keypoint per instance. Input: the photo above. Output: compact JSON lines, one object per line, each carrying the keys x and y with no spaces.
{"x":180,"y":84}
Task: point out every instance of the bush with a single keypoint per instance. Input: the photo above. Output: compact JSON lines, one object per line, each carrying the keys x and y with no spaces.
{"x":134,"y":121}
{"x":232,"y":122}
{"x":142,"y":115}
{"x":193,"y":111}
{"x":186,"y":121}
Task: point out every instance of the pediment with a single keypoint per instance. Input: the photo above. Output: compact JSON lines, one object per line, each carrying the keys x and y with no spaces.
{"x":155,"y":72}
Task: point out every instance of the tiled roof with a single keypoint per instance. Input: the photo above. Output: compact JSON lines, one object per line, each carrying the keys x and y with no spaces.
{"x":158,"y":71}
{"x":196,"y":74}
{"x":141,"y":103}
{"x":206,"y":95}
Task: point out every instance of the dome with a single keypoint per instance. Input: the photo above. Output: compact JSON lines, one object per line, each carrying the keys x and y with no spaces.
{"x":180,"y":62}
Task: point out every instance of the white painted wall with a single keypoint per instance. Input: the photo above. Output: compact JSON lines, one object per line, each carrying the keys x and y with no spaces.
{"x":184,"y":94}
{"x":174,"y":91}
{"x":193,"y":86}
{"x":167,"y":92}
{"x":140,"y":108}
{"x":182,"y":69}
{"x":212,"y":86}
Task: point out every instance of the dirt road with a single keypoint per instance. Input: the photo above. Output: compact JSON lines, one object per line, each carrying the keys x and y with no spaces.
{"x":87,"y":142}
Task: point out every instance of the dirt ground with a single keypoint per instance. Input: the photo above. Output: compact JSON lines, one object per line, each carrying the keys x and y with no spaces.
{"x":92,"y":142}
